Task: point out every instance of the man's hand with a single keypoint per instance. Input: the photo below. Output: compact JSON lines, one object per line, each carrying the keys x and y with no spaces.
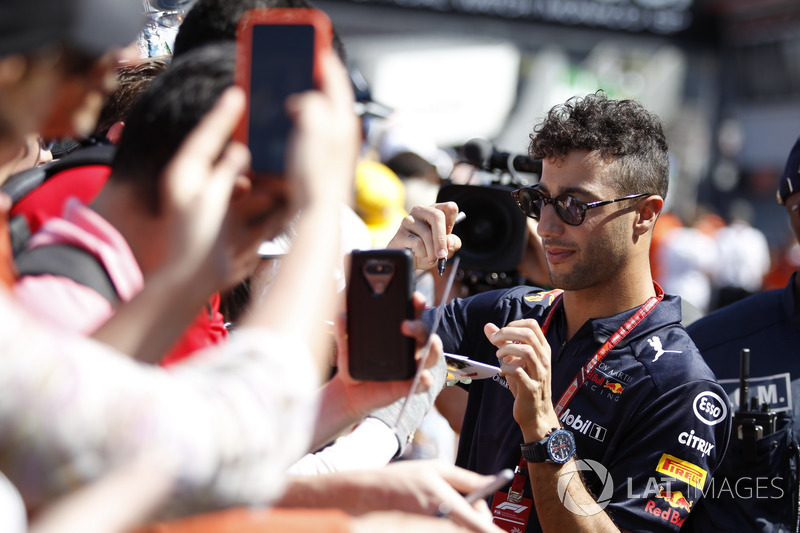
{"x":417,"y":487}
{"x":428,"y":232}
{"x":325,"y":140}
{"x":524,"y":356}
{"x":364,"y":396}
{"x":197,"y":186}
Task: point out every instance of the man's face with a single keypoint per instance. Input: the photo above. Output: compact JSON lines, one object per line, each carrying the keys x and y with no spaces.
{"x":28,"y":92}
{"x":593,"y":254}
{"x":83,"y":92}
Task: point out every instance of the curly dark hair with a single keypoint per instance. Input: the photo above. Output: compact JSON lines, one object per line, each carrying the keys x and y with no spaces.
{"x":132,"y":80}
{"x":621,"y":131}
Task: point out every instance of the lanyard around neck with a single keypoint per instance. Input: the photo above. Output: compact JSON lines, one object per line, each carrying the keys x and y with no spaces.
{"x":607,"y":346}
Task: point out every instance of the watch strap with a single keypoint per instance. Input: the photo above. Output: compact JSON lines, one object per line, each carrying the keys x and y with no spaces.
{"x":535,"y":452}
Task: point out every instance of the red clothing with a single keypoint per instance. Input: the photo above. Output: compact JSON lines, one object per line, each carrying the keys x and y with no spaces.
{"x":48,"y":200}
{"x":75,"y":307}
{"x":207,"y":329}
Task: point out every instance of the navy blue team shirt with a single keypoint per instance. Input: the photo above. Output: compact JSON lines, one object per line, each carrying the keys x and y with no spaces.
{"x":758,"y":495}
{"x":651,"y":423}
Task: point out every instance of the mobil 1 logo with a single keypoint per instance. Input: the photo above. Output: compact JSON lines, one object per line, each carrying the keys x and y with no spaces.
{"x":582,"y":425}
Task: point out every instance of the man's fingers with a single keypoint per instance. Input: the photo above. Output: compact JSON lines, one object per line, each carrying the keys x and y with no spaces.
{"x":335,"y":80}
{"x":489,"y":330}
{"x":234,"y":161}
{"x":206,"y":141}
{"x":461,"y":479}
{"x":418,"y":300}
{"x":415,"y":329}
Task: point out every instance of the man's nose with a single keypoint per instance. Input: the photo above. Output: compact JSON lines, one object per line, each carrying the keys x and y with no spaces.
{"x":549,"y":222}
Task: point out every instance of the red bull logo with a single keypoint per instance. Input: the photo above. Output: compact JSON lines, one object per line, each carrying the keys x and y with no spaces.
{"x":616,"y":388}
{"x":673,"y":516}
{"x":674,"y":499}
{"x":548,"y":296}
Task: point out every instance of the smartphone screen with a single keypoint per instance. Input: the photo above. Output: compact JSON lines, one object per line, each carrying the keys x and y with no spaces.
{"x":282,"y":63}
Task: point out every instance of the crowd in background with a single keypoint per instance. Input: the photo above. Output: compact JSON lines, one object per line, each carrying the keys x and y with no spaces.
{"x":244,"y":298}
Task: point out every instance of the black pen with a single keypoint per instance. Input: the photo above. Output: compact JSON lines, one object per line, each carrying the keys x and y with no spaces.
{"x":443,"y":261}
{"x":498,"y":482}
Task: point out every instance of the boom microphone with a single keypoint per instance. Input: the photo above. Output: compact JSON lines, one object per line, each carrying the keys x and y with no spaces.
{"x":481,"y":153}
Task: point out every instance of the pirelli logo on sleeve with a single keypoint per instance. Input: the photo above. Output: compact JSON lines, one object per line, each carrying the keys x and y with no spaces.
{"x":682,"y":470}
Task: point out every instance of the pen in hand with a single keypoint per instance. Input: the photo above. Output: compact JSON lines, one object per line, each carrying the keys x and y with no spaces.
{"x":443,"y":261}
{"x":498,"y":482}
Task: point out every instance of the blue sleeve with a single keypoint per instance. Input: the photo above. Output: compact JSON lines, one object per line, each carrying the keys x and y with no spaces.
{"x":462,"y":322}
{"x":664,"y":465}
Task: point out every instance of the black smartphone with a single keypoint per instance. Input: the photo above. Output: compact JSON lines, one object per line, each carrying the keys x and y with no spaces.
{"x":278,"y":53}
{"x":379,"y":292}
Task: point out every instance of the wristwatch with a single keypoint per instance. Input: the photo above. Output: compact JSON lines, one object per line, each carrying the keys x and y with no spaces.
{"x":557,"y":447}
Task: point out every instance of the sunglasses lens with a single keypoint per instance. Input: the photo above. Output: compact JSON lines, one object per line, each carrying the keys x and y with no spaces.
{"x":569,"y":209}
{"x":530,"y":201}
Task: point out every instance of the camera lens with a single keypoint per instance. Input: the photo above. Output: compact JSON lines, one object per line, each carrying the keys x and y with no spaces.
{"x":381,"y":268}
{"x":493,"y":234}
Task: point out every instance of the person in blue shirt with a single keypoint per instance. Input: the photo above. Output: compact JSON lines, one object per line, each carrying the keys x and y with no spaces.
{"x":759,"y":493}
{"x":598,"y":378}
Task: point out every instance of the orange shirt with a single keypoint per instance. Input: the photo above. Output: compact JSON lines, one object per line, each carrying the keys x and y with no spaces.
{"x":8,"y":272}
{"x":246,"y":520}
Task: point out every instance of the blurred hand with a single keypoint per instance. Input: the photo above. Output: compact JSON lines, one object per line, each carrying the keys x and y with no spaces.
{"x":364,"y":396}
{"x":428,"y":232}
{"x":197,"y":187}
{"x":325,"y":141}
{"x":422,"y":488}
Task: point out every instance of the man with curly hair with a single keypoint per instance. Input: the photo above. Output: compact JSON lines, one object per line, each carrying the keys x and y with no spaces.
{"x":597,"y":378}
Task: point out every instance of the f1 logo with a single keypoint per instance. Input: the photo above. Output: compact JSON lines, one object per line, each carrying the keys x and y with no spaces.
{"x":513,"y":507}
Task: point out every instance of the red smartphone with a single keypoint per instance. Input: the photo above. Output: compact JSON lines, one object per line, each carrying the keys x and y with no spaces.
{"x":278,"y":51}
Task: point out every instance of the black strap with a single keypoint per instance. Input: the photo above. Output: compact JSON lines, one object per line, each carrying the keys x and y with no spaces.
{"x":795,"y":450}
{"x":19,"y":185}
{"x":19,"y":232}
{"x":70,"y":262}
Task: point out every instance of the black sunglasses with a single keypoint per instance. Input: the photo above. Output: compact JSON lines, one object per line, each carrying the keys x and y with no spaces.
{"x":568,"y":208}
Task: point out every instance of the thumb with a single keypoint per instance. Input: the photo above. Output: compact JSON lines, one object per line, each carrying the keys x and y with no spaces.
{"x":490,"y":329}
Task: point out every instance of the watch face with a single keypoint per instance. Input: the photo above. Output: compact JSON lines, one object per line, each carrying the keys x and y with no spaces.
{"x":561,"y":446}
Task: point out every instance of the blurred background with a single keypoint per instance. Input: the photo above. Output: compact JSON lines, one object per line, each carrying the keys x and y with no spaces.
{"x":724,"y":75}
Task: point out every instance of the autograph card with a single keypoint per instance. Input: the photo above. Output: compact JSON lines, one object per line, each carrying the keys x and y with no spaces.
{"x":459,"y":367}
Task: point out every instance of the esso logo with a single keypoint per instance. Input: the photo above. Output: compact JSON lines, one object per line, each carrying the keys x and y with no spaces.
{"x":710,"y":408}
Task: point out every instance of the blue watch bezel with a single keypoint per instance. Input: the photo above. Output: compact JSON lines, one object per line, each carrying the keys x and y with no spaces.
{"x":549,"y":441}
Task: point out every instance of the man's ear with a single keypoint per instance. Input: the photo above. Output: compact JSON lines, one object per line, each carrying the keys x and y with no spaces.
{"x":115,"y":132}
{"x":647,"y":214}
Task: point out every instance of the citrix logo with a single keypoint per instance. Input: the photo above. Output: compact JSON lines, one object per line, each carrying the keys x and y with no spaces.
{"x":690,"y":440}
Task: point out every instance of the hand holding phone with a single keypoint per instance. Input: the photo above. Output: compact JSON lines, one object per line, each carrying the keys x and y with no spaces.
{"x":379,"y":292}
{"x":278,"y":54}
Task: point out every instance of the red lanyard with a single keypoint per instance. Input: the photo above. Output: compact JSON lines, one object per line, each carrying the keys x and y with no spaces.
{"x":580,"y":378}
{"x":607,"y":346}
